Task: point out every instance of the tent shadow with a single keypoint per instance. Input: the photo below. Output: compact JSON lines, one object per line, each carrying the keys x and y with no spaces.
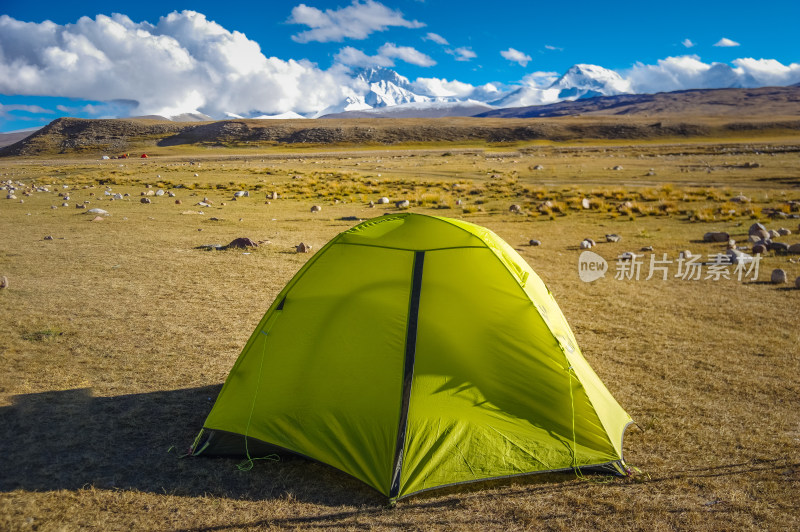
{"x":72,"y":440}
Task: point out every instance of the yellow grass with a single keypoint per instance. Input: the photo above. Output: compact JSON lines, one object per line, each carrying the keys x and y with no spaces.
{"x":117,"y":334}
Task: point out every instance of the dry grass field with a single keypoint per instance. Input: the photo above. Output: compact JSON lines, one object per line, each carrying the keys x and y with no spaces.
{"x":116,"y":335}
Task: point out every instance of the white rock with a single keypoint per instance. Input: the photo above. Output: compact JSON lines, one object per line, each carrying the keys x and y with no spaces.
{"x":383,"y":200}
{"x":97,"y":211}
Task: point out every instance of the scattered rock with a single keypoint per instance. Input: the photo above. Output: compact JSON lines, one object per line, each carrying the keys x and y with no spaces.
{"x":741,"y":198}
{"x":98,"y":219}
{"x":647,"y":248}
{"x":160,"y":192}
{"x":618,"y":167}
{"x":146,"y":200}
{"x":316,"y":208}
{"x":273,"y":195}
{"x":371,"y":204}
{"x":794,"y":249}
{"x":778,"y":276}
{"x":716,"y":237}
{"x":80,"y":206}
{"x":538,"y":167}
{"x":796,"y":282}
{"x":402,"y":204}
{"x":759,"y":249}
{"x":515,"y":208}
{"x":613,"y":238}
{"x":99,"y":212}
{"x":49,"y":237}
{"x":586,"y":204}
{"x":241,"y":194}
{"x":11,"y":196}
{"x":586,"y":244}
{"x":685,"y":254}
{"x":774,"y":234}
{"x":535,"y":243}
{"x":758,"y":230}
{"x":302,"y":248}
{"x":778,"y":247}
{"x":242,"y":243}
{"x":350,"y":219}
{"x":627,"y":256}
{"x":171,"y":194}
{"x":178,"y":202}
{"x":65,"y":204}
{"x":4,"y":282}
{"x":736,"y":257}
{"x":784,"y":232}
{"x":383,"y":200}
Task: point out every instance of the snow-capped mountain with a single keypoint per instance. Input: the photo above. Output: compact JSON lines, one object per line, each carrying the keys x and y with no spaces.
{"x":587,"y":81}
{"x":387,"y":88}
{"x":580,"y":81}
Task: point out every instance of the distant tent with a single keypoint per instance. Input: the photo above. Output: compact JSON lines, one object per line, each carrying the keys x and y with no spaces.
{"x":144,"y":156}
{"x":414,"y":352}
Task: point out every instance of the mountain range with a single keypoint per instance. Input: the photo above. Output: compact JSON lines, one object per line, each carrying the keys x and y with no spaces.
{"x":385,"y":93}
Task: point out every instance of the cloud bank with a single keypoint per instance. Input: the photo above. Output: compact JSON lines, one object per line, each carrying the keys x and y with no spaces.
{"x":183,"y":63}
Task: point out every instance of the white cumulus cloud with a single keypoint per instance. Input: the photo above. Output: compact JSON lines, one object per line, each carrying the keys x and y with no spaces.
{"x":687,"y":43}
{"x":183,"y":63}
{"x":690,"y":72}
{"x":515,"y":56}
{"x":435,"y":37}
{"x":356,"y":21}
{"x":726,"y":43}
{"x":384,"y":58}
{"x":462,"y":53}
{"x":405,"y":53}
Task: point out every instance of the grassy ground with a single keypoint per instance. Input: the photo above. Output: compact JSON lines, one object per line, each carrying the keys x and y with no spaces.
{"x":117,"y":334}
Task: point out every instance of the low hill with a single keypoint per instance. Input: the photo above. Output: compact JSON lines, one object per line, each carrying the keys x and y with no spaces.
{"x":109,"y":137}
{"x":765,"y":101}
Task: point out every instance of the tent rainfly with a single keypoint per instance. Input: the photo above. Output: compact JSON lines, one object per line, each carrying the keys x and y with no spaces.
{"x":414,"y":352}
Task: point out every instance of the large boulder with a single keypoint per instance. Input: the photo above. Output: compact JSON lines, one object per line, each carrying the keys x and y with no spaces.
{"x":242,"y":243}
{"x":794,"y":249}
{"x":718,"y":236}
{"x":778,"y":276}
{"x":758,"y":230}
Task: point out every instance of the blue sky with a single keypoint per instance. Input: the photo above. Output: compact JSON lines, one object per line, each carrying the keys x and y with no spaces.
{"x":119,"y":66}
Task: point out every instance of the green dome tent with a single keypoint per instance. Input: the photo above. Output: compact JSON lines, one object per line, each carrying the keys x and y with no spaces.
{"x":414,"y":352}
